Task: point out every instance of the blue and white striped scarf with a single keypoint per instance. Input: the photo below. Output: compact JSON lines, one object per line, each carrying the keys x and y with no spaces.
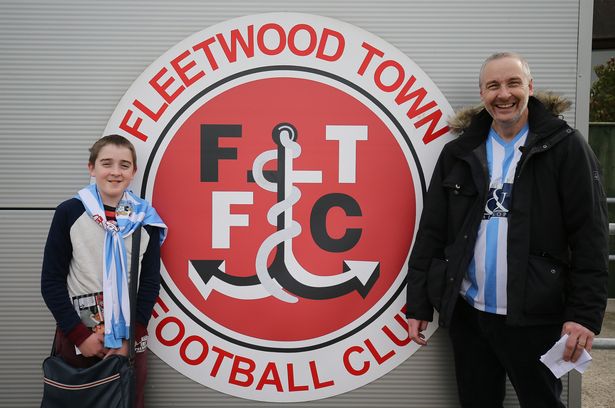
{"x":131,"y":213}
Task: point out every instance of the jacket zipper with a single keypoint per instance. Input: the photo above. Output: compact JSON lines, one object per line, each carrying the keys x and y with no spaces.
{"x":474,"y":224}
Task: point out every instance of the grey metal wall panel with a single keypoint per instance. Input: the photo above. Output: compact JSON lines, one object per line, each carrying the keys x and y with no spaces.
{"x":425,"y":380}
{"x":26,"y":325}
{"x":65,"y":64}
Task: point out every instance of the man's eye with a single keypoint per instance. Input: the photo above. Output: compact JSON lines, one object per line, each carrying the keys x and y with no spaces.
{"x":492,"y":87}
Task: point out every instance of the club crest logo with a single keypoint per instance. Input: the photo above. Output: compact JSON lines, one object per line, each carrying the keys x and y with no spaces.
{"x":288,"y":154}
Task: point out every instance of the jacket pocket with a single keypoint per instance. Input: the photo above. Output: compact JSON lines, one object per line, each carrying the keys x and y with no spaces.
{"x":462,"y":195}
{"x":436,"y":282}
{"x":459,"y":183}
{"x":460,"y":189}
{"x":544,"y":286}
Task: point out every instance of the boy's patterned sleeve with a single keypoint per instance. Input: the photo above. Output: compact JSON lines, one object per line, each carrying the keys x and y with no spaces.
{"x":149,"y":281}
{"x":56,"y":262}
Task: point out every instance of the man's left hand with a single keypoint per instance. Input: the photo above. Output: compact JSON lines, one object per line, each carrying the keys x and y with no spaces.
{"x":579,"y":338}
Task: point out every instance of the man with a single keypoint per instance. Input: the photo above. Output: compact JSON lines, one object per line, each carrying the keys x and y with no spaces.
{"x":512,"y":248}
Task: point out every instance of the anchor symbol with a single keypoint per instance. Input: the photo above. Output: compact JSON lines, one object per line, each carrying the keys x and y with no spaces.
{"x":285,"y":277}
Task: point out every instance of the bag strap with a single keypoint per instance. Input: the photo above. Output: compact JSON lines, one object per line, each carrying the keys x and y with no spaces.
{"x":134,"y":277}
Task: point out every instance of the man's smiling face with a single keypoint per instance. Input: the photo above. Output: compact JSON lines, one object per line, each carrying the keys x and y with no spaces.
{"x":505,"y":89}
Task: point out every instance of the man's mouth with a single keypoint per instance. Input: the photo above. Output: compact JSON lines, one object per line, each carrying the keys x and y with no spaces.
{"x":505,"y":105}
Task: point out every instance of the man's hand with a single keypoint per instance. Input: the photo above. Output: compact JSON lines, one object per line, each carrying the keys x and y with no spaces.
{"x":579,"y":338}
{"x":93,"y":346}
{"x":415,"y":328}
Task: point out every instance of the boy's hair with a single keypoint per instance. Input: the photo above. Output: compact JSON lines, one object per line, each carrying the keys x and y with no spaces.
{"x":117,"y":140}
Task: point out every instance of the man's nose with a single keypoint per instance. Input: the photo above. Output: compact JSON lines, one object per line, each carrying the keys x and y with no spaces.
{"x":504,"y":92}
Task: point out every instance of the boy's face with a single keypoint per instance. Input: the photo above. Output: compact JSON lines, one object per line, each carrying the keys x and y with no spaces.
{"x":113,"y":171}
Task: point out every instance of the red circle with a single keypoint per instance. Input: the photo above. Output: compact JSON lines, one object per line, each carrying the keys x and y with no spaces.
{"x":384,"y":190}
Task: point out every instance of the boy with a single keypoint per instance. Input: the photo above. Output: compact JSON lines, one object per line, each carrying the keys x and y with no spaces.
{"x":89,"y":242}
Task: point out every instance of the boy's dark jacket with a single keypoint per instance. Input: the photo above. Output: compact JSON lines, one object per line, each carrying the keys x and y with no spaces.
{"x":557,"y":225}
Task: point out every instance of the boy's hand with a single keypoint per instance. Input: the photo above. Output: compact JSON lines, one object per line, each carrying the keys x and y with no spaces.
{"x":93,"y":346}
{"x":123,"y":351}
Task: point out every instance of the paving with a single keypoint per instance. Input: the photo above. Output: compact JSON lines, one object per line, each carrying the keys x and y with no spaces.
{"x":598,"y":389}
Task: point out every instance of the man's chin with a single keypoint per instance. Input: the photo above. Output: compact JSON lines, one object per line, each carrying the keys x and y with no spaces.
{"x":507,"y":120}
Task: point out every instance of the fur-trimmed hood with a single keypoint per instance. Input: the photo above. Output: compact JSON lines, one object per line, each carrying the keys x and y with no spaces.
{"x":555,"y":104}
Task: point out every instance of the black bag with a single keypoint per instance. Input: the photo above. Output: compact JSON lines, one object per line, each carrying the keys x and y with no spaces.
{"x":110,"y":383}
{"x":107,"y":384}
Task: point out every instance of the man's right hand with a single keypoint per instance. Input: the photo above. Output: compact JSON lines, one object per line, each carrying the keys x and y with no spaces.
{"x":415,"y":329}
{"x":93,"y":346}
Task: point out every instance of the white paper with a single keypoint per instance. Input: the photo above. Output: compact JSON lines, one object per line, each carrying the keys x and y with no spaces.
{"x":554,"y":359}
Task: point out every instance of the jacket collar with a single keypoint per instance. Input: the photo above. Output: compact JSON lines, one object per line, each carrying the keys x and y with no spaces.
{"x":472,"y":124}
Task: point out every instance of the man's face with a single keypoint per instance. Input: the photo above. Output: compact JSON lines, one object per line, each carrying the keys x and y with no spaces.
{"x":505,"y":90}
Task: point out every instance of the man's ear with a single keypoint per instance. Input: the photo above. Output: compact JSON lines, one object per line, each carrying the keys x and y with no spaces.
{"x":531,"y":86}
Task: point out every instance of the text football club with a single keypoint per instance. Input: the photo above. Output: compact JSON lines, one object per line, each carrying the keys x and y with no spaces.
{"x":288,"y":155}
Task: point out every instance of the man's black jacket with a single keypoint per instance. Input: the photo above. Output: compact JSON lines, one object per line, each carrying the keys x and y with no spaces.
{"x":557,"y":225}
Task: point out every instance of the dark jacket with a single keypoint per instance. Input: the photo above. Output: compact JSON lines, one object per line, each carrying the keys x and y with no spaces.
{"x":73,"y":239}
{"x":557,"y":225}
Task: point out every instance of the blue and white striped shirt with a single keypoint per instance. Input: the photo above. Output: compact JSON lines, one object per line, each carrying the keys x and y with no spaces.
{"x":484,"y":285}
